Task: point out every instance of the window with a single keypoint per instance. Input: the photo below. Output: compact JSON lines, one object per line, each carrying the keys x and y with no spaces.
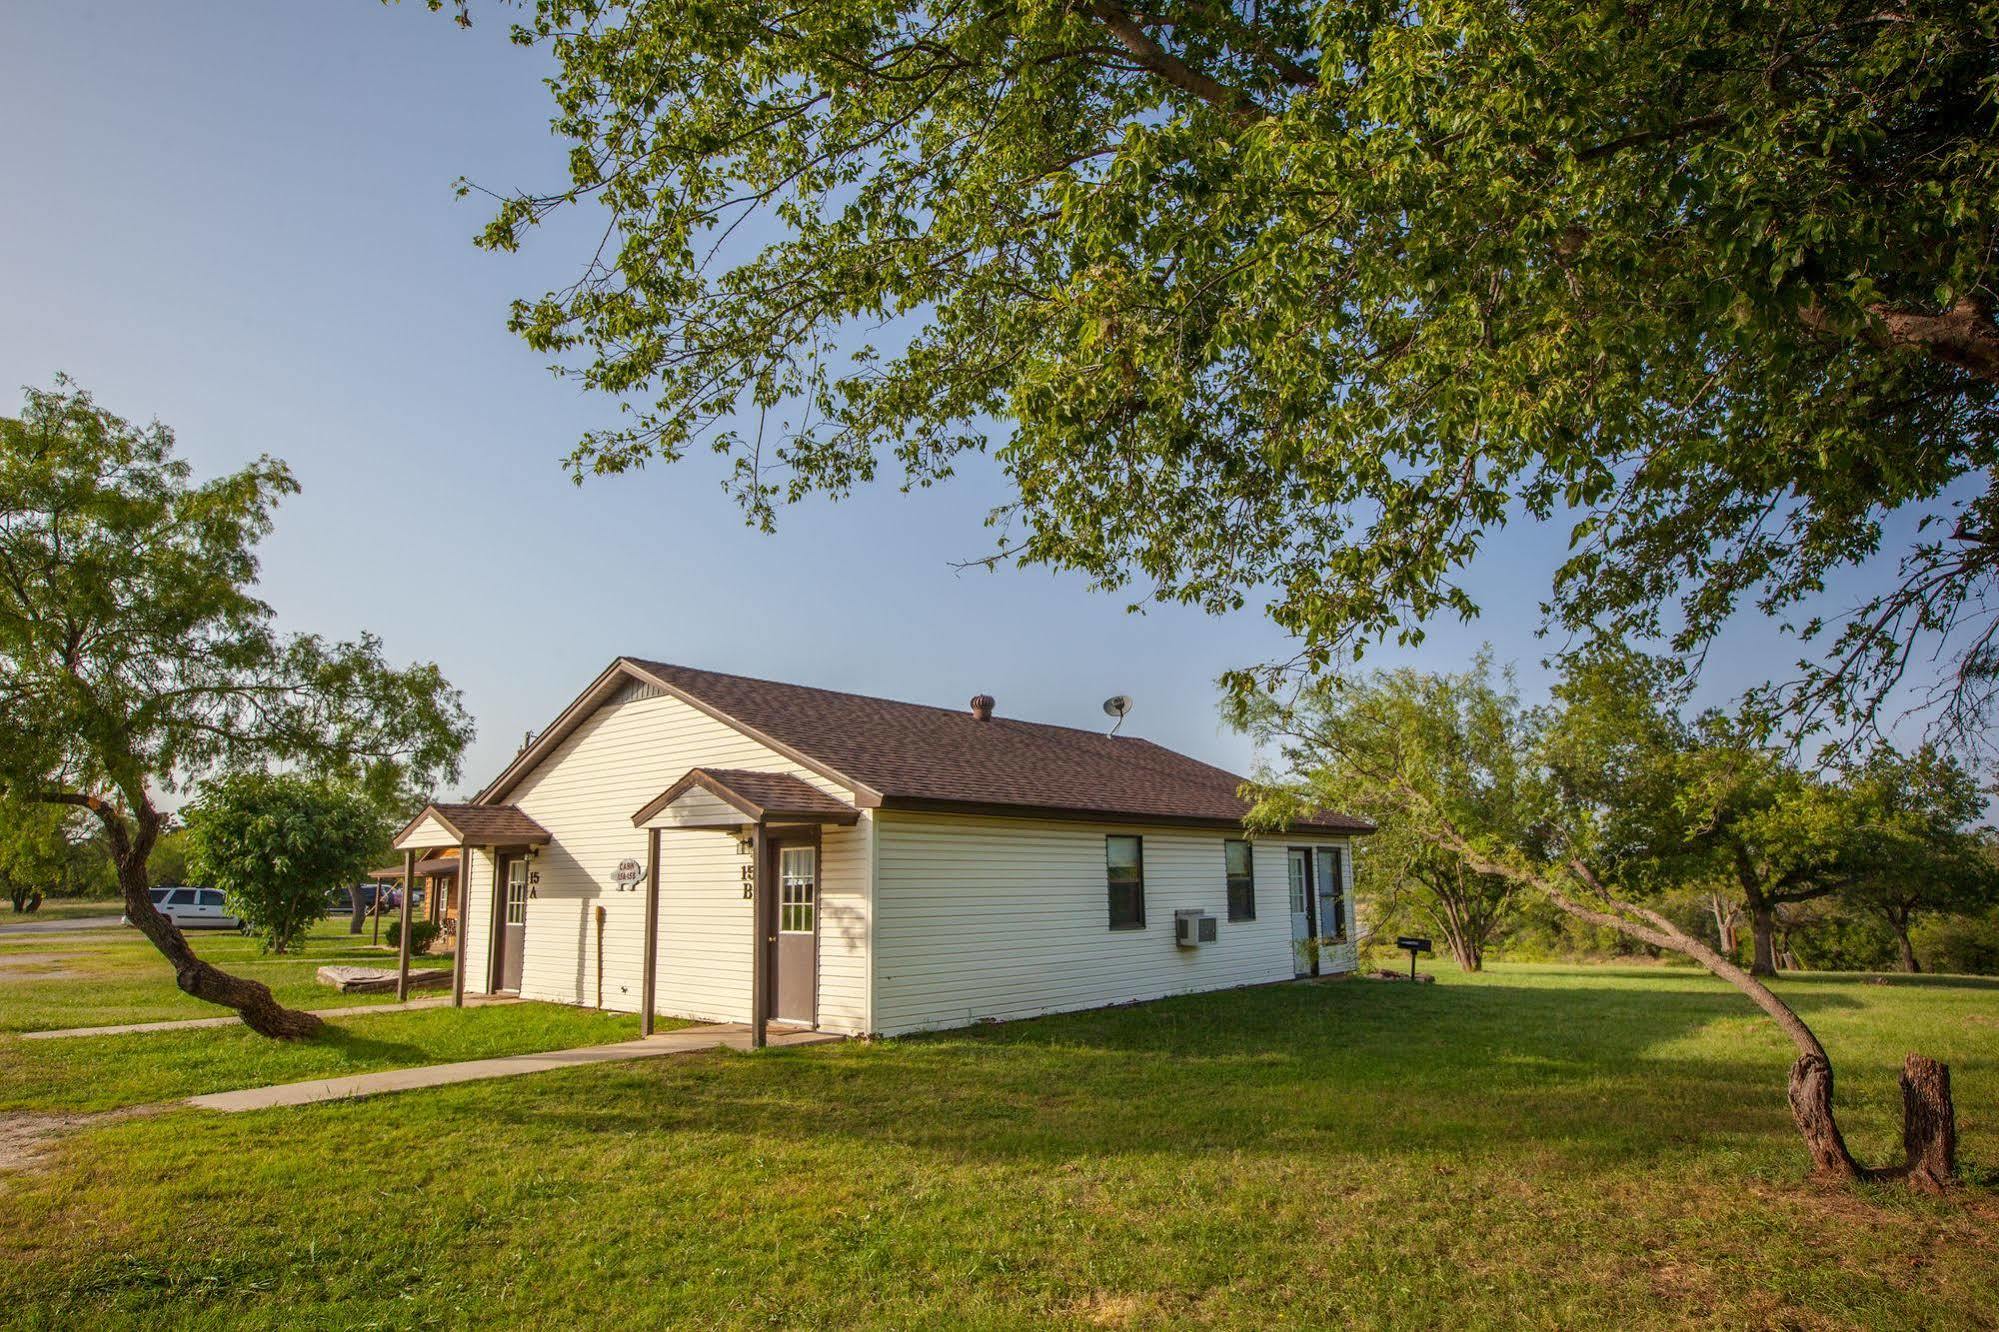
{"x":517,"y":892}
{"x":158,"y":895}
{"x":181,"y":897}
{"x":210,"y":897}
{"x":1332,"y":894}
{"x":1124,"y":868}
{"x":1239,"y":869}
{"x":795,"y":890}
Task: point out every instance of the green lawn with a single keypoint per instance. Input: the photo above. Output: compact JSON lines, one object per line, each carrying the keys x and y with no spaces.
{"x":63,"y":908}
{"x":1541,"y":1146}
{"x":91,"y":978}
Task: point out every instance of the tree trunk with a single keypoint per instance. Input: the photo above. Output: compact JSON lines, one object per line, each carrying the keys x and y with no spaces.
{"x":1811,"y":1107}
{"x":1909,"y":962}
{"x":357,"y":910}
{"x":1725,"y":913}
{"x":1466,"y":951}
{"x":1763,"y":933}
{"x":1929,"y":1124}
{"x":1811,"y":1075}
{"x":253,"y":1001}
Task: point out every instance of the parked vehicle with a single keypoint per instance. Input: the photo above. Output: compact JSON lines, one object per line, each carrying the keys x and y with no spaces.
{"x":340,"y":901}
{"x":193,"y":908}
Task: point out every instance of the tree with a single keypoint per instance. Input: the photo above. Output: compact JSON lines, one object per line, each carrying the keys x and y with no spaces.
{"x":134,"y":658}
{"x":50,"y":851}
{"x":1583,"y":827}
{"x":1919,"y":812}
{"x":34,"y":846}
{"x":1303,"y":301}
{"x":1782,"y":836}
{"x":278,"y":844}
{"x":1469,"y":731}
{"x":168,"y":863}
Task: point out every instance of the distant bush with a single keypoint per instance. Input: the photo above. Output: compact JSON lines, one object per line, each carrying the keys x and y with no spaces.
{"x":423,"y":933}
{"x":1965,"y":945}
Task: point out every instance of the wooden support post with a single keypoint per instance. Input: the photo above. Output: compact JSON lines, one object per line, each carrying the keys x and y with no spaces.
{"x":403,"y":944}
{"x":649,"y":972}
{"x":760,"y":898}
{"x":458,"y":942}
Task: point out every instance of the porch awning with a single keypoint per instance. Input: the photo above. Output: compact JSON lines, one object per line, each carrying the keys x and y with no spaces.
{"x":440,"y":826}
{"x":436,"y":867}
{"x":735,"y":797}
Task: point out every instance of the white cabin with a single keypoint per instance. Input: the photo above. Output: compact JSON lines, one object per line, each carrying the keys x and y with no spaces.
{"x":749,"y":851}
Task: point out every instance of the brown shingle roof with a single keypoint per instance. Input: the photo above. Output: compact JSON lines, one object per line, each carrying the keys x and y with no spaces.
{"x":484,"y":825}
{"x":913,"y":755}
{"x":759,"y":795}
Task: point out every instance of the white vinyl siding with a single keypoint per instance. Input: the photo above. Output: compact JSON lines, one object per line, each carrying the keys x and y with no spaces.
{"x":989,"y":918}
{"x":429,"y":835}
{"x":585,"y":793}
{"x":476,"y":930}
{"x":843,"y":928}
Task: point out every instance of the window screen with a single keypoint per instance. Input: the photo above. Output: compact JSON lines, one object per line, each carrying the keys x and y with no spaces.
{"x":1239,"y":868}
{"x":1332,"y":894}
{"x":1124,"y":868}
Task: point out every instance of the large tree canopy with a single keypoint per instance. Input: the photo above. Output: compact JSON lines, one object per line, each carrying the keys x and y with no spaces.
{"x":1302,"y":301}
{"x":135,"y":658}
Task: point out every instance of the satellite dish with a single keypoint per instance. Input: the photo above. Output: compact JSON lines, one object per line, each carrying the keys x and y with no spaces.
{"x":1117,"y":705}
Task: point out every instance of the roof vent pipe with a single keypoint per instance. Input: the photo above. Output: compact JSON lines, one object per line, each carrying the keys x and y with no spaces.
{"x":982,"y":706}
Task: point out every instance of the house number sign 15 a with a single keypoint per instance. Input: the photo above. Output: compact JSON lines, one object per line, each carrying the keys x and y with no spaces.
{"x":628,"y":875}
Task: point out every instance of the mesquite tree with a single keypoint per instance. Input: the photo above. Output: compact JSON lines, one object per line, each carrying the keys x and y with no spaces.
{"x":134,"y":658}
{"x":1597,"y":818}
{"x":1300,"y":300}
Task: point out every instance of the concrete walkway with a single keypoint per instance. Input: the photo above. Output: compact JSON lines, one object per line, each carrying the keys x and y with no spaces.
{"x":687,"y":1040}
{"x":196,"y":1024}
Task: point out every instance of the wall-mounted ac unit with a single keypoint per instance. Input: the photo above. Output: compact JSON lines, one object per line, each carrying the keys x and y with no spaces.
{"x":1193,"y":927}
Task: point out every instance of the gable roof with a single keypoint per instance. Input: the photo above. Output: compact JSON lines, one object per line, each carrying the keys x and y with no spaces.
{"x":480,"y":825}
{"x":913,"y":756}
{"x":757,"y":796}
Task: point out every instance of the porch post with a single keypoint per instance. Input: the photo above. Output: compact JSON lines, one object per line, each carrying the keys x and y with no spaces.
{"x":403,"y":945}
{"x":649,"y":973}
{"x":760,"y":958}
{"x":458,"y":944}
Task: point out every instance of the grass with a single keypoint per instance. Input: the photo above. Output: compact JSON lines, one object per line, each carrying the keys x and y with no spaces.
{"x":63,"y":908}
{"x":1540,"y":1146}
{"x":93,"y":978}
{"x":101,"y":977}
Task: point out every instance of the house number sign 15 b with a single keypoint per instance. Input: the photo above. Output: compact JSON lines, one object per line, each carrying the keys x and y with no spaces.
{"x":628,"y":875}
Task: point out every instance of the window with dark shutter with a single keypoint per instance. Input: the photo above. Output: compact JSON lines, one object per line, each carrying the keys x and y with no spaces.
{"x":1124,"y":870}
{"x":1239,"y":869}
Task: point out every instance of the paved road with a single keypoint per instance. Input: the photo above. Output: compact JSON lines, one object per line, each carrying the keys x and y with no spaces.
{"x":57,"y":925}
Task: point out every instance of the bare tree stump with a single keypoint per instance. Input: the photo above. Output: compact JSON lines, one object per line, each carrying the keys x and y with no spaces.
{"x":1811,"y":1106}
{"x":1929,"y":1124}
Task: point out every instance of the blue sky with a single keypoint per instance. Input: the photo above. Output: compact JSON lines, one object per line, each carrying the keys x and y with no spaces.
{"x":238,"y":218}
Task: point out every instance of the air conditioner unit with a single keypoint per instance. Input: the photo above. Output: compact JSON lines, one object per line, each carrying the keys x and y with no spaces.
{"x":1193,"y":927}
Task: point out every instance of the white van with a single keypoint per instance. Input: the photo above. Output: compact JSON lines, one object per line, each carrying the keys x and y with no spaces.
{"x":193,"y":908}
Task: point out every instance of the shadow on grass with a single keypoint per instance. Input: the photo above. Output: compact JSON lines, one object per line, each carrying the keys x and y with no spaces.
{"x":1443,"y":1071}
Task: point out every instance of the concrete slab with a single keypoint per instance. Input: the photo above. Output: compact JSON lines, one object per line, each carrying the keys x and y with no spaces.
{"x":687,"y":1040}
{"x":196,"y":1024}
